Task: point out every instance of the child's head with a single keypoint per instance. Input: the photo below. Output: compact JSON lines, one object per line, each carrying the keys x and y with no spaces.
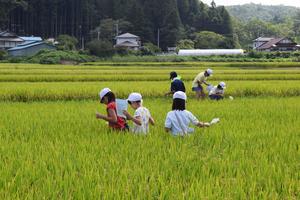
{"x":208,"y":72}
{"x":222,"y":86}
{"x":107,"y":96}
{"x":135,"y":100}
{"x":173,"y":75}
{"x":179,"y":100}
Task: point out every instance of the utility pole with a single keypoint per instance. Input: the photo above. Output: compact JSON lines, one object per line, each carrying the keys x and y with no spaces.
{"x":117,"y":28}
{"x":158,"y":38}
{"x":98,"y":36}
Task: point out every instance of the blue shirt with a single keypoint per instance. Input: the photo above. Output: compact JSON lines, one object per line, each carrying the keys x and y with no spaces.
{"x":177,"y":85}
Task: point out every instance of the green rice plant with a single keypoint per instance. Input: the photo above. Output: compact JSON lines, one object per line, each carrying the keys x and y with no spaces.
{"x":43,"y":91}
{"x":58,"y":150}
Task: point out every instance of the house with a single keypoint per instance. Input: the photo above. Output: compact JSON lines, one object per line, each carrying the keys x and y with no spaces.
{"x":9,"y":40}
{"x":128,"y":41}
{"x":29,"y":48}
{"x":274,"y":44}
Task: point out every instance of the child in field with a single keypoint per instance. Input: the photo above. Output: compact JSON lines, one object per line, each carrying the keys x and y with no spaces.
{"x":115,"y":122}
{"x":142,"y":116}
{"x":217,"y":92}
{"x":176,"y":84}
{"x":199,"y":80}
{"x":179,"y":118}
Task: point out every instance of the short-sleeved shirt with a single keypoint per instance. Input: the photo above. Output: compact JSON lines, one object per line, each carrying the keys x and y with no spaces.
{"x":200,"y":78}
{"x":145,"y":115}
{"x":177,"y":85}
{"x":215,"y":90}
{"x":185,"y":117}
{"x":120,"y":121}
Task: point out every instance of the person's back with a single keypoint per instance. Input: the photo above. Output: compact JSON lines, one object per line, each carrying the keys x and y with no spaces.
{"x":179,"y":120}
{"x":199,"y":79}
{"x":145,"y":116}
{"x":177,"y":85}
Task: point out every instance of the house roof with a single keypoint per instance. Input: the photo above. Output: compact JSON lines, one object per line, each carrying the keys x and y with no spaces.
{"x":127,"y":44}
{"x":7,"y":34}
{"x":263,"y":39}
{"x":25,"y":46}
{"x":10,"y":39}
{"x":127,"y":35}
{"x":271,"y":43}
{"x":31,"y":38}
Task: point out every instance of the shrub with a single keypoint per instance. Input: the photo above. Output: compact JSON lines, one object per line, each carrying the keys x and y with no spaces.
{"x":150,"y":49}
{"x":101,"y":48}
{"x":3,"y":54}
{"x":67,"y":42}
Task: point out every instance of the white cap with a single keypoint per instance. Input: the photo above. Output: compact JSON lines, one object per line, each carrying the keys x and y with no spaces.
{"x":104,"y":92}
{"x":223,"y":85}
{"x":209,"y":71}
{"x":135,"y":97}
{"x":179,"y":95}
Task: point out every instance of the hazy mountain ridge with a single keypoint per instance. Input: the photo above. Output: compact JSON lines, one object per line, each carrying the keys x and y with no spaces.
{"x":267,"y":13}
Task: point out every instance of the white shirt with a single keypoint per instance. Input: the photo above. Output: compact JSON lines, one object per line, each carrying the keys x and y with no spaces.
{"x":185,"y":117}
{"x":144,"y":115}
{"x":216,"y":90}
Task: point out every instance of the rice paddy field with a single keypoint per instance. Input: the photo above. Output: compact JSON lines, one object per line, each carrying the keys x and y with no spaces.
{"x":52,"y":146}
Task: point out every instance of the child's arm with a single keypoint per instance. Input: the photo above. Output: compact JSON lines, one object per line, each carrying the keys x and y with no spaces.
{"x":136,"y":120}
{"x":203,"y":124}
{"x":151,"y":120}
{"x":112,"y":116}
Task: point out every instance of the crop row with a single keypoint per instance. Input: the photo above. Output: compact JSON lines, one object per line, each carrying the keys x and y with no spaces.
{"x":43,"y":91}
{"x":139,"y":77}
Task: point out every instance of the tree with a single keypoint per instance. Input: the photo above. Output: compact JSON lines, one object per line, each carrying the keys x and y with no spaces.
{"x":209,"y":40}
{"x":150,"y":49}
{"x":67,"y":42}
{"x":101,"y":48}
{"x":186,"y":44}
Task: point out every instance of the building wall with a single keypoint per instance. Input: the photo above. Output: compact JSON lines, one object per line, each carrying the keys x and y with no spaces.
{"x":30,"y":51}
{"x":121,"y":40}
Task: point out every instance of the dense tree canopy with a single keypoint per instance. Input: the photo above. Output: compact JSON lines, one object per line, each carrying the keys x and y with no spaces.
{"x":176,"y":19}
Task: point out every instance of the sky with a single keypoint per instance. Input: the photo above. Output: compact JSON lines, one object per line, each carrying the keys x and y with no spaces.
{"x":266,"y":2}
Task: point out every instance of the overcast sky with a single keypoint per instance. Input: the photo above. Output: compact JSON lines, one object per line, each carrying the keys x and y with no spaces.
{"x":266,"y":2}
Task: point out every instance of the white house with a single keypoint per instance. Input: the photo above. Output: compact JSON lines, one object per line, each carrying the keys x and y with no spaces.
{"x":128,"y":41}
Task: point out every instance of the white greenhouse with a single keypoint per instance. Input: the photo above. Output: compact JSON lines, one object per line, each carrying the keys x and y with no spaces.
{"x":210,"y":52}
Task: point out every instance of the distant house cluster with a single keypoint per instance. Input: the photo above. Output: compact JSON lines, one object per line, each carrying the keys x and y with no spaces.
{"x":269,"y":44}
{"x":22,"y":46}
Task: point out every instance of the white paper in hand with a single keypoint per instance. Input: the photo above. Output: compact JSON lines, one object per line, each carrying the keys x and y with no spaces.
{"x":214,"y":121}
{"x":121,"y":106}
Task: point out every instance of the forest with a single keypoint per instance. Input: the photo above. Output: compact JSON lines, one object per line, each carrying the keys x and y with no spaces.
{"x":89,"y":19}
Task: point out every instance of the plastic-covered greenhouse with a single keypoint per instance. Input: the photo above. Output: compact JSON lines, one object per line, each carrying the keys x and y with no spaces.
{"x":210,"y":52}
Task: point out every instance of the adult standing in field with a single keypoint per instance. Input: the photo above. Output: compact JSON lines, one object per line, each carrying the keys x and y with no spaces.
{"x":176,"y":84}
{"x":199,"y":80}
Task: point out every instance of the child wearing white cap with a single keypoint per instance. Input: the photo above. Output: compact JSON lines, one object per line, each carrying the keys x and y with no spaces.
{"x":115,"y":122}
{"x":142,"y":116}
{"x":217,"y":92}
{"x":198,"y":81}
{"x":179,"y":118}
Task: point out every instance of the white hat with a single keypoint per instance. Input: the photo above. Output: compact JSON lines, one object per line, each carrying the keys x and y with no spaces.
{"x":133,"y":97}
{"x":223,"y":85}
{"x":104,"y":92}
{"x":209,"y":71}
{"x":179,"y":95}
